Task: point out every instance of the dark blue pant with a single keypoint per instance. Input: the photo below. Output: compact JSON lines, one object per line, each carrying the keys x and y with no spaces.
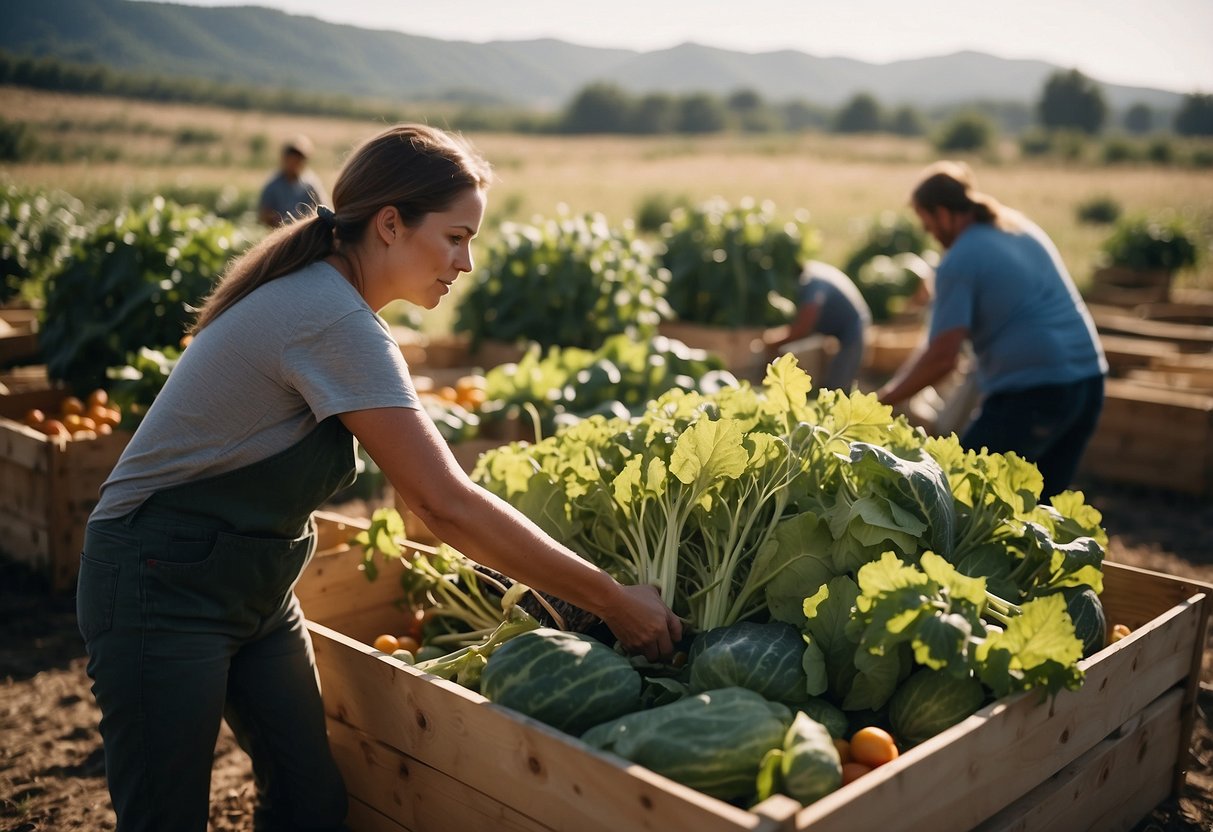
{"x":186,"y":626}
{"x":1049,"y":425}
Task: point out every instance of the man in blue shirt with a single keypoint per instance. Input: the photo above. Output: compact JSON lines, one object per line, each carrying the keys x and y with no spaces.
{"x":1002,"y":286}
{"x":827,"y":302}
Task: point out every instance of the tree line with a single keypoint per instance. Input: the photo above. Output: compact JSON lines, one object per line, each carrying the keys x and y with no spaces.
{"x":1069,"y":101}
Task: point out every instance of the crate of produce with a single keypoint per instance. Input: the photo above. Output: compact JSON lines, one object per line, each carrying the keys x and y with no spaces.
{"x":1149,"y":435}
{"x":49,"y":483}
{"x":418,"y":752}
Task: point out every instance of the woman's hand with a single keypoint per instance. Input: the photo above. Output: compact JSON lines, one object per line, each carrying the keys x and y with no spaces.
{"x":643,"y":623}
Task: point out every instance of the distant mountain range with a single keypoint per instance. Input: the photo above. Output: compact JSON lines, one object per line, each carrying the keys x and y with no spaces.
{"x":265,"y":47}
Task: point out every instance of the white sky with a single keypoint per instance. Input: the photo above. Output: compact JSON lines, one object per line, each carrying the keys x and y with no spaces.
{"x":1166,"y":44}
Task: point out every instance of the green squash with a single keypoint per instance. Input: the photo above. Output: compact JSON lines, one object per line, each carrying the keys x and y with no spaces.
{"x":567,"y":680}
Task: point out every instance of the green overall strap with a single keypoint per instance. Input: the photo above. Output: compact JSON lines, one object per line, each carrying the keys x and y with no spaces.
{"x":272,"y":497}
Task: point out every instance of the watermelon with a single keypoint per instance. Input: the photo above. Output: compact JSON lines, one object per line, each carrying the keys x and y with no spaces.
{"x":567,"y":680}
{"x":930,"y":701}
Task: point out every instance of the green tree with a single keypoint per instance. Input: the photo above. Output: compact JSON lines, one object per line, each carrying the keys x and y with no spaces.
{"x":1072,"y":101}
{"x":859,"y":115}
{"x":1195,"y":116}
{"x":1139,"y":119}
{"x":598,"y":108}
{"x":800,"y":115}
{"x":655,"y":113}
{"x":701,"y":113}
{"x":907,"y":121}
{"x":966,"y":132}
{"x":751,"y":112}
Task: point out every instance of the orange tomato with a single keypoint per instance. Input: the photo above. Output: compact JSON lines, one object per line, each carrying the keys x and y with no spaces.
{"x":73,"y":421}
{"x":71,"y":406}
{"x":853,"y":771}
{"x":448,"y":393}
{"x":35,"y":418}
{"x":1119,"y":631}
{"x":55,"y":428}
{"x":98,"y":398}
{"x":472,"y":398}
{"x":104,"y":429}
{"x":386,"y":643}
{"x":873,"y":746}
{"x":844,"y":750}
{"x":471,"y":382}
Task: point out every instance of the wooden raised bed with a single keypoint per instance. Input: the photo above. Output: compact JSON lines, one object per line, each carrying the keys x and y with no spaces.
{"x":739,"y":348}
{"x":890,"y":345}
{"x":1121,"y":286}
{"x":420,"y":753}
{"x":48,"y":488}
{"x":1152,"y":436}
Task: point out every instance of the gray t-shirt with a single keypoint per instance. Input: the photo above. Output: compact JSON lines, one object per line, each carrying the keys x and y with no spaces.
{"x":257,"y":380}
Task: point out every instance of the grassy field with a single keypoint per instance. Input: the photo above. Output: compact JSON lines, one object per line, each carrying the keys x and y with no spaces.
{"x":110,"y":149}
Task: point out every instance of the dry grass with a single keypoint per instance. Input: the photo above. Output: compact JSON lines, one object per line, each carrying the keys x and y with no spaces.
{"x":842,"y":182}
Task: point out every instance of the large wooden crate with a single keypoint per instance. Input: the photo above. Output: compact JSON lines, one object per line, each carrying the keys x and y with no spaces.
{"x":48,"y":488}
{"x":420,"y":753}
{"x":1152,"y":436}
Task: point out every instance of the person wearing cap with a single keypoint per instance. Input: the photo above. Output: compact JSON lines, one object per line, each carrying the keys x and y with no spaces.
{"x":1001,"y":286}
{"x":294,"y":189}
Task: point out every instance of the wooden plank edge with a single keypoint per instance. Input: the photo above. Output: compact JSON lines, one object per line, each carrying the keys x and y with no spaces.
{"x":1112,"y":786}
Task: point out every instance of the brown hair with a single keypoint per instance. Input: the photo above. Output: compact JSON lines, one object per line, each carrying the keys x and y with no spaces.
{"x":951,"y":186}
{"x":417,"y":169}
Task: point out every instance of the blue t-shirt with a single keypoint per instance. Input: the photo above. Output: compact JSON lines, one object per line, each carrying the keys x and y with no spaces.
{"x":1027,"y":322}
{"x":842,"y":311}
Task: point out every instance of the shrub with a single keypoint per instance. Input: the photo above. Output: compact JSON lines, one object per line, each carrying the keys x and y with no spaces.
{"x":1141,"y":243}
{"x":129,"y":284}
{"x":569,"y":282}
{"x":734,"y":266}
{"x":37,"y":229}
{"x":1098,"y":210}
{"x":966,"y":133}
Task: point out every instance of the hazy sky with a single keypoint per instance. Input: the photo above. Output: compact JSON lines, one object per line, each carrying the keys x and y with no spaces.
{"x":1157,"y":43}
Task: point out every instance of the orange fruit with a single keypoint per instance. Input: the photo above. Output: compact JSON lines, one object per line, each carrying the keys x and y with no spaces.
{"x":448,"y":393}
{"x":98,"y":398}
{"x":386,"y":643}
{"x":71,"y":406}
{"x":471,"y":398}
{"x":54,"y":428}
{"x":35,"y":418}
{"x":844,"y":750}
{"x":853,"y":771}
{"x":73,"y":421}
{"x":873,"y":746}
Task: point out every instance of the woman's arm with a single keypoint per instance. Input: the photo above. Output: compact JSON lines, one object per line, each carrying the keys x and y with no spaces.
{"x":408,"y":448}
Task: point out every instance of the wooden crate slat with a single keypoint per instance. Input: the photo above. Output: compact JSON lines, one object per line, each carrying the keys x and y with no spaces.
{"x":540,"y":772}
{"x":363,"y":818}
{"x":1034,"y":739}
{"x":1111,"y":787}
{"x":413,"y":794}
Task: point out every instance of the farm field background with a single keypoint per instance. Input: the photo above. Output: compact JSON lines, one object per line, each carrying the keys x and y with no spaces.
{"x":113,"y":150}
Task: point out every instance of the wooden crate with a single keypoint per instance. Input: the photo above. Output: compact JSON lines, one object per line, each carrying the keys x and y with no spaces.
{"x":740,"y":349}
{"x":420,"y":753}
{"x":1121,"y":286}
{"x":18,"y":336}
{"x":48,"y":488}
{"x":1186,"y":337}
{"x":1153,"y":436}
{"x":890,"y":345}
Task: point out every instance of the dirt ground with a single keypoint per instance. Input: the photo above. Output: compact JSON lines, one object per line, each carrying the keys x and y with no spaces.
{"x":51,"y":762}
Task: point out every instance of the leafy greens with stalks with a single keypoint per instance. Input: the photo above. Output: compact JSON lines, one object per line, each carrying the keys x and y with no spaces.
{"x":771,"y":501}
